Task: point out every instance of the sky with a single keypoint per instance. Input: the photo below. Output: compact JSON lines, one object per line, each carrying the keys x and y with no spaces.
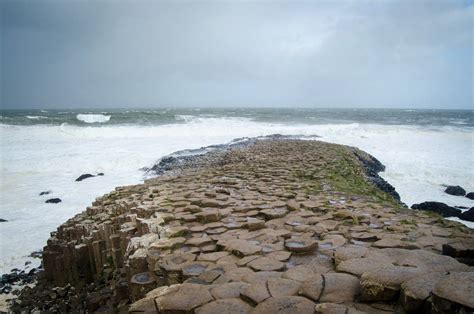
{"x":124,"y":53}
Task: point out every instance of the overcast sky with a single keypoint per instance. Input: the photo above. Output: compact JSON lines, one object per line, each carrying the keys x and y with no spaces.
{"x":388,"y":54}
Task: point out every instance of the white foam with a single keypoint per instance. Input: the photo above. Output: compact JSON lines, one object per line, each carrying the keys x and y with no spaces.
{"x":36,"y":117}
{"x":40,"y":158}
{"x":92,"y":118}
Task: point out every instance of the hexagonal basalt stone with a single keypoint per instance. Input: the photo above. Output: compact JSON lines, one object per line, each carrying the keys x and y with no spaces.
{"x":229,"y":290}
{"x":177,"y":231}
{"x":313,"y":287}
{"x":255,"y":293}
{"x":279,"y":255}
{"x":186,"y":299}
{"x":383,"y":283}
{"x":140,"y":284}
{"x":415,"y":292}
{"x":192,"y":269}
{"x":285,"y":305}
{"x":212,"y":257}
{"x":454,"y":293}
{"x":349,"y":252}
{"x":242,"y":248}
{"x":331,"y":242}
{"x":228,"y":306}
{"x":236,"y":274}
{"x":339,"y":288}
{"x":266,"y":264}
{"x":364,"y":236}
{"x":280,"y":287}
{"x":254,"y":224}
{"x":301,"y":245}
{"x":174,"y":262}
{"x":274,"y":213}
{"x":208,"y":215}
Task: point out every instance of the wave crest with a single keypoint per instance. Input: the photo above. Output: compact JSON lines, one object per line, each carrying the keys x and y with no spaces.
{"x":92,"y":118}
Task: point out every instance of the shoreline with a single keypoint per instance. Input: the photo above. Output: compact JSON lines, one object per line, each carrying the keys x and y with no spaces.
{"x":176,"y":167}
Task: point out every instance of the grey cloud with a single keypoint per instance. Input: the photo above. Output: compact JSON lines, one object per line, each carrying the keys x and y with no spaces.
{"x":230,"y":53}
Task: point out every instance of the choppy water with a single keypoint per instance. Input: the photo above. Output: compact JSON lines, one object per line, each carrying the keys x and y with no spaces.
{"x":428,"y":118}
{"x":45,"y":150}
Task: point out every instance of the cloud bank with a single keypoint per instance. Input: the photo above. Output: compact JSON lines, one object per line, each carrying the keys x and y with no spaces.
{"x":386,"y":54}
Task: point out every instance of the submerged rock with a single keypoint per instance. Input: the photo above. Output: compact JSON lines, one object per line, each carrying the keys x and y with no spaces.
{"x":470,"y":195}
{"x":53,"y":200}
{"x":438,"y":207}
{"x":455,"y":190}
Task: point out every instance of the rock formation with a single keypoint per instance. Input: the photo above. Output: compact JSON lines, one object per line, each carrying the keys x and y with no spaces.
{"x":280,"y":226}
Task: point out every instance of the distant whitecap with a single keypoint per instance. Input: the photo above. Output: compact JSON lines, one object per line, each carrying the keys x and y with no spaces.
{"x":92,"y":118}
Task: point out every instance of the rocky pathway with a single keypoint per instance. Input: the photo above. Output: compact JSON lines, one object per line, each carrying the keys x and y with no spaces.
{"x":281,"y":226}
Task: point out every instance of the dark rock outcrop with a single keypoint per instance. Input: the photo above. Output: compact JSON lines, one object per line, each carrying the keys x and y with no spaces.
{"x":84,"y":176}
{"x":372,"y":168}
{"x":54,"y":200}
{"x":44,"y":193}
{"x":455,"y":190}
{"x":468,"y":215}
{"x":438,"y":207}
{"x":3,"y":220}
{"x":470,"y":195}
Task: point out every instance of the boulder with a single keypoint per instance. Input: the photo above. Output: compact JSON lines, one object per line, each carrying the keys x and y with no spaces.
{"x":84,"y":176}
{"x":437,"y":207}
{"x":53,"y":200}
{"x":468,"y":215}
{"x":470,"y":195}
{"x":455,"y":190}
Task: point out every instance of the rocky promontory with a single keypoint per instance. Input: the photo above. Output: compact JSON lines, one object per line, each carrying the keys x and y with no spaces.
{"x":276,"y":226}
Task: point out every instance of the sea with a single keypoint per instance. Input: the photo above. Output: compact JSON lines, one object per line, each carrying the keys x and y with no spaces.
{"x":46,"y":150}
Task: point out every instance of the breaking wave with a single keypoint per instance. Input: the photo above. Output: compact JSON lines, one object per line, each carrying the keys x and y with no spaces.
{"x":93,"y":118}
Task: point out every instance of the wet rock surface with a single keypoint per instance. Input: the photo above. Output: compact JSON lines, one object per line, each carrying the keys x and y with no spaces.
{"x":53,"y":201}
{"x":438,"y":207}
{"x":275,"y":226}
{"x":84,"y":176}
{"x":468,"y":214}
{"x":455,"y":190}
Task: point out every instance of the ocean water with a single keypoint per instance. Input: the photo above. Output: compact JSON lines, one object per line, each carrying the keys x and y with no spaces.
{"x":46,"y":150}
